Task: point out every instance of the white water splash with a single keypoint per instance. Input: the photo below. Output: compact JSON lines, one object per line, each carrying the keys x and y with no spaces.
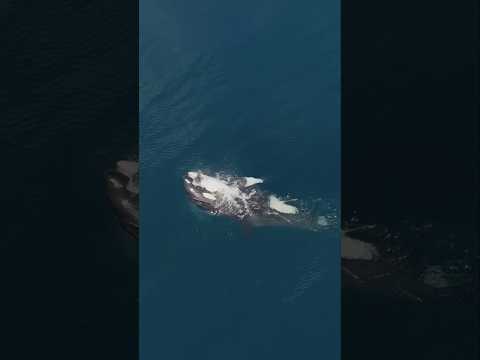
{"x":250,"y":181}
{"x":227,"y":193}
{"x":279,"y":205}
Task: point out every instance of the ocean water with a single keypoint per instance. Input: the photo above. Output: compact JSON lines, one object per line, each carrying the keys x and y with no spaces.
{"x":248,"y":88}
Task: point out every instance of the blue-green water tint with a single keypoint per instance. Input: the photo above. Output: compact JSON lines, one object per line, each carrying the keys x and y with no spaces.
{"x":250,"y":88}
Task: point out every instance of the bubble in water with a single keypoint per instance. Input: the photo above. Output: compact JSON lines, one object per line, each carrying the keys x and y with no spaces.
{"x":322,"y":221}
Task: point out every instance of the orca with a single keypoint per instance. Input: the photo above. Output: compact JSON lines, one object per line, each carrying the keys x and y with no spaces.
{"x":241,"y":198}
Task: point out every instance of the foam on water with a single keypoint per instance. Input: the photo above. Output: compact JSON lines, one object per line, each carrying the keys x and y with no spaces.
{"x":252,"y":181}
{"x":279,"y":205}
{"x":209,"y":196}
{"x":228,"y":192}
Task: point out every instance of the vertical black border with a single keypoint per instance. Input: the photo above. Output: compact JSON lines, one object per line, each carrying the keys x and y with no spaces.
{"x":70,"y":95}
{"x":404,"y":61}
{"x":476,"y":134}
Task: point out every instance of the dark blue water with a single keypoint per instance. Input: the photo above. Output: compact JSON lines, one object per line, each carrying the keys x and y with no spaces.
{"x":249,"y":88}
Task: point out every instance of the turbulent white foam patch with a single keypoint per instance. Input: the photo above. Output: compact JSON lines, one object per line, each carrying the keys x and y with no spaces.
{"x":209,"y":196}
{"x":280,"y":206}
{"x":250,"y":181}
{"x":230,"y":196}
{"x":213,"y":184}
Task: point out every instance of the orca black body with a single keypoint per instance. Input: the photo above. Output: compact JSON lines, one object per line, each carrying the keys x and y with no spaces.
{"x":242,"y":199}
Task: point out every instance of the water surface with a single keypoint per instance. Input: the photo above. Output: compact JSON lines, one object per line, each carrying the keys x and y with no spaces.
{"x":251,"y":89}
